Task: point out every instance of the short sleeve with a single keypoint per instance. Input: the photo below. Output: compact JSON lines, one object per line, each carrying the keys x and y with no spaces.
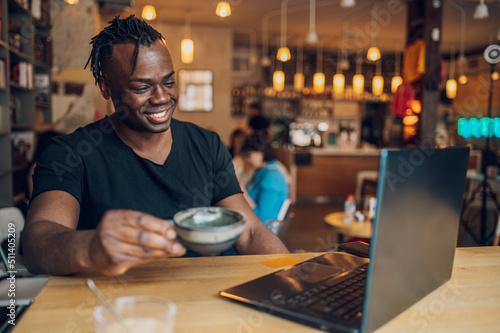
{"x":225,"y":182}
{"x":59,"y":168}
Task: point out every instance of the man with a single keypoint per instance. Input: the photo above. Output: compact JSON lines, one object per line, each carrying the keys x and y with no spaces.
{"x":102,"y":194}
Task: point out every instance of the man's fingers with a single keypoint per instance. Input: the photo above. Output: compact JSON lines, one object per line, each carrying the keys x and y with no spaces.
{"x":147,"y":222}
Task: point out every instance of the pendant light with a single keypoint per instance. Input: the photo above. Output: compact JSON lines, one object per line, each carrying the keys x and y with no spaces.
{"x":298,"y":78}
{"x":451,"y":84}
{"x":481,"y":11}
{"x":373,"y":53}
{"x":312,"y":36}
{"x":462,"y":78}
{"x":71,"y":2}
{"x":338,"y":78}
{"x":358,"y":80}
{"x":223,"y":9}
{"x":397,"y":80}
{"x":278,"y":80}
{"x":283,"y":52}
{"x":378,"y":81}
{"x":187,"y":44}
{"x":148,"y":12}
{"x":347,"y":3}
{"x":319,"y":77}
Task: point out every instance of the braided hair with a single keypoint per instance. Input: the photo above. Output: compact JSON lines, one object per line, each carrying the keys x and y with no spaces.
{"x":120,"y":31}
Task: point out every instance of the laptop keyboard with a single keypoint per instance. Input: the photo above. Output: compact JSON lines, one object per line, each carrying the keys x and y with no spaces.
{"x":343,"y":299}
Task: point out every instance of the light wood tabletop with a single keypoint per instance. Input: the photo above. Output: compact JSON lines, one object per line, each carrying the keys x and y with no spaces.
{"x":359,"y":229}
{"x":469,"y":302}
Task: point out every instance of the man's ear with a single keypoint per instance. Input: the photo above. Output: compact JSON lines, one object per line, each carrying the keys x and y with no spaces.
{"x":104,"y":87}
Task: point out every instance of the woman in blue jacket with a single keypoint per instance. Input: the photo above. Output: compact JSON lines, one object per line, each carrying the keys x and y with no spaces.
{"x":268,"y":188}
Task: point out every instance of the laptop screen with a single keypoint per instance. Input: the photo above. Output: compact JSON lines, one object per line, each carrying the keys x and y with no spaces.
{"x":419,"y":202}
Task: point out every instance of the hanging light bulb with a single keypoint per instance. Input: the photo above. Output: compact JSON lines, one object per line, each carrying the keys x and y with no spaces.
{"x":339,"y":79}
{"x":462,"y":79}
{"x":187,"y":44}
{"x":187,"y":51}
{"x":283,"y":52}
{"x":319,"y":77}
{"x":373,"y":53}
{"x":397,"y":80}
{"x":312,"y":36}
{"x":495,"y":76}
{"x":451,"y":89}
{"x":481,"y":11}
{"x":319,"y":82}
{"x":347,"y":3}
{"x":358,"y":80}
{"x":148,"y":12}
{"x":338,"y":84}
{"x":223,"y":9}
{"x":377,"y":85}
{"x":298,"y":78}
{"x":279,"y":80}
{"x":451,"y":84}
{"x":71,"y":2}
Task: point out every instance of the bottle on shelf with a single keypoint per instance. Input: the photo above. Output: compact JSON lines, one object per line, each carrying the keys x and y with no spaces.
{"x":349,"y":209}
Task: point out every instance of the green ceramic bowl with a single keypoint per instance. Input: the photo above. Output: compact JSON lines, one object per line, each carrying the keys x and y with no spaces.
{"x":209,"y":230}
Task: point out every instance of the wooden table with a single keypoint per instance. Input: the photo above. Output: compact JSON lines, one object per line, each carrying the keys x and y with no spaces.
{"x":469,"y":302}
{"x":336,"y":222}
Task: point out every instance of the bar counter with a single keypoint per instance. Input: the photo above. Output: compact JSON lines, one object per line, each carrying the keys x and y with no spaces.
{"x":469,"y":302}
{"x":332,"y":172}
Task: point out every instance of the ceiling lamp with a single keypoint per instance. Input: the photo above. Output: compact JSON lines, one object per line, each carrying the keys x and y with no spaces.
{"x":462,"y":78}
{"x":319,"y":77}
{"x":358,"y":80}
{"x":397,"y":80}
{"x":71,"y":2}
{"x":339,"y":78}
{"x":495,"y":76}
{"x":279,"y":80}
{"x":481,"y":11}
{"x":283,"y":52}
{"x":378,"y":82}
{"x":451,"y":84}
{"x":312,"y":36}
{"x":373,"y":53}
{"x":347,"y":3}
{"x":148,"y":12}
{"x":223,"y":9}
{"x":187,"y":45}
{"x":298,"y":78}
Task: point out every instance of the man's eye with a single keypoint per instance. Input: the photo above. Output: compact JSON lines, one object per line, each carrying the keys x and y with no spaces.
{"x":170,"y":83}
{"x":140,"y":88}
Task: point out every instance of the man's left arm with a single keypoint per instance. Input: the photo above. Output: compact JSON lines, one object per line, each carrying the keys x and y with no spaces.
{"x":257,"y":238}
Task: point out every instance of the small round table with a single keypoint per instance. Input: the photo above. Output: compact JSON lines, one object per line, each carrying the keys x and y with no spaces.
{"x":354,"y":229}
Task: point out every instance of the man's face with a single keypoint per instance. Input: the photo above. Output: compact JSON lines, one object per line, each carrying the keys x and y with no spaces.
{"x":145,"y":101}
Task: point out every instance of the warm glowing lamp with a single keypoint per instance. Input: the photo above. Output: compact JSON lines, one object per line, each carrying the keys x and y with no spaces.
{"x":377,"y":85}
{"x":319,"y":82}
{"x":283,"y":54}
{"x":338,"y":84}
{"x":148,"y":13}
{"x":358,"y":83}
{"x":462,"y":79}
{"x":71,"y":2}
{"x":495,"y":76}
{"x":223,"y":9}
{"x":395,"y":83}
{"x":298,"y":82}
{"x":279,"y":80}
{"x":187,"y":51}
{"x":451,"y":88}
{"x":373,"y":53}
{"x":410,"y":120}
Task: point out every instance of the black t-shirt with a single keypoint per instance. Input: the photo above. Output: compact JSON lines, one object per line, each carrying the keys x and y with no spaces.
{"x":103,"y":173}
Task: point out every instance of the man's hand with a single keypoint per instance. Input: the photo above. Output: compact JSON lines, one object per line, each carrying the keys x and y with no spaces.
{"x":126,"y":238}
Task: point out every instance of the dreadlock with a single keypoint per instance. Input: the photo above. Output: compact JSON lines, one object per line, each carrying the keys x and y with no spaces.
{"x":120,"y":31}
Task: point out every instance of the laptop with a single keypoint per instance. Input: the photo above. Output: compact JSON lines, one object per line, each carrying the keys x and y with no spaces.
{"x":411,"y":254}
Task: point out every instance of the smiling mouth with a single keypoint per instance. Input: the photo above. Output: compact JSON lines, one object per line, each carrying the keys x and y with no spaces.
{"x":158,"y":117}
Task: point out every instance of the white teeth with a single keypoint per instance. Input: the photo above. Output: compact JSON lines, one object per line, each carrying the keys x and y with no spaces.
{"x":159,"y":115}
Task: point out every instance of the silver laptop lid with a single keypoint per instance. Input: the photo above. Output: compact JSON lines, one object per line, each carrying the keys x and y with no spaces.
{"x":416,"y":187}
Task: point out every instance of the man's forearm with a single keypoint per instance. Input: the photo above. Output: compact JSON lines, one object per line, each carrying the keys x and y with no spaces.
{"x":51,"y":248}
{"x":261,"y":240}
